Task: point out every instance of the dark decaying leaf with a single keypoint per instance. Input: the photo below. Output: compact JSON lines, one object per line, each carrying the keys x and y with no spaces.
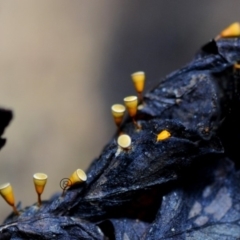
{"x":129,"y":228}
{"x":5,"y":118}
{"x":197,"y":211}
{"x":184,"y":187}
{"x":45,"y":226}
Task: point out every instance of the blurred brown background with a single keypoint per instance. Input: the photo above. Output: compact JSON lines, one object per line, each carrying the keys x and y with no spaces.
{"x":64,"y":63}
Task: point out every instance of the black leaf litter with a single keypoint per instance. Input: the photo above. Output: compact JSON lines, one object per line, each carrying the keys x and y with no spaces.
{"x":184,"y":187}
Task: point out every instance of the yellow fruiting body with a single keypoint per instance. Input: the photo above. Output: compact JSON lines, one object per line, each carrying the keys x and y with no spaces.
{"x":131,"y":103}
{"x":231,"y":31}
{"x":163,"y":135}
{"x":6,"y":192}
{"x":40,"y":180}
{"x":78,"y":176}
{"x":118,"y":111}
{"x":236,"y":66}
{"x":138,"y":79}
{"x":124,"y":141}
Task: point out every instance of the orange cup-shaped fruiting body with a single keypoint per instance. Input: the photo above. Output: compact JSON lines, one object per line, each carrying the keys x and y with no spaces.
{"x":118,"y":111}
{"x":236,"y":67}
{"x":231,"y":31}
{"x":39,"y":180}
{"x":124,"y":141}
{"x":138,"y":79}
{"x":78,"y":176}
{"x":6,"y":192}
{"x":163,"y":135}
{"x":131,"y":103}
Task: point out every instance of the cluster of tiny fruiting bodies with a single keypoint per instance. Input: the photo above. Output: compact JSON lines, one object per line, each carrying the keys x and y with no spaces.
{"x":132,"y":104}
{"x":40,"y":180}
{"x":124,"y":142}
{"x":138,"y":78}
